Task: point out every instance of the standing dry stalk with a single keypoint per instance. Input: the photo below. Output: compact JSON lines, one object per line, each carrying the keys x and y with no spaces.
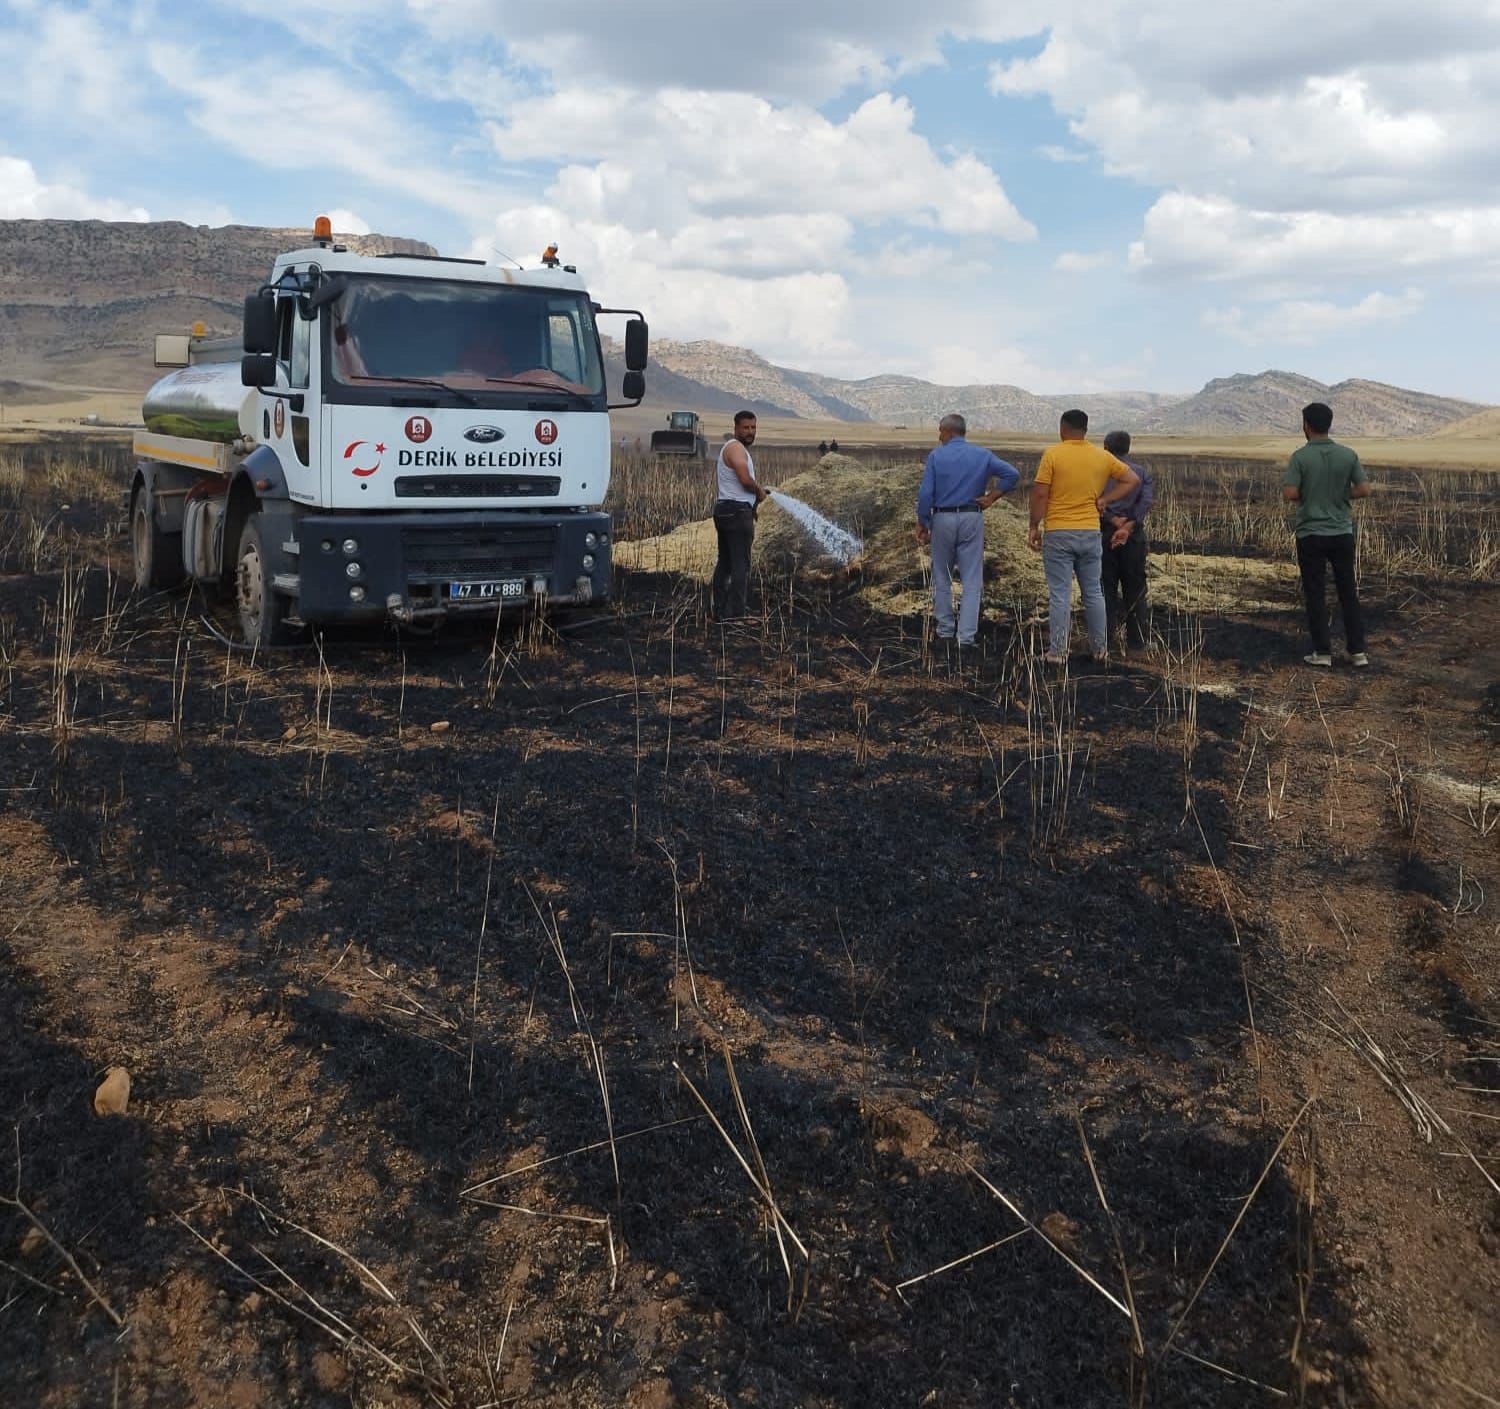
{"x":180,"y":676}
{"x":484,"y":920}
{"x":666,"y":764}
{"x":635,"y":787}
{"x":401,"y":701}
{"x":680,"y":949}
{"x":70,"y":595}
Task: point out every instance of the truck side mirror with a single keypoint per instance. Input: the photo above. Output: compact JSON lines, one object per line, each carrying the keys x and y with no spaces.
{"x":260,"y":325}
{"x":635,"y":346}
{"x":634,"y":386}
{"x":330,"y":287}
{"x":258,"y":369}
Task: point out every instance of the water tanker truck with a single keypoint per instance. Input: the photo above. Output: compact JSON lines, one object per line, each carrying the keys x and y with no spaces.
{"x":393,"y":437}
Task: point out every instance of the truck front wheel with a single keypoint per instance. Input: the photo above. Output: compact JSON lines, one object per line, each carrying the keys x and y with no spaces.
{"x":263,"y":611}
{"x":157,"y":555}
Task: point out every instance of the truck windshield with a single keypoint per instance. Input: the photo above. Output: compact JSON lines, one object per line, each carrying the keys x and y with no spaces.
{"x":464,"y":337}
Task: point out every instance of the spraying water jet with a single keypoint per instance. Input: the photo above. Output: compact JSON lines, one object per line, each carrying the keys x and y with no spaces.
{"x":840,"y":545}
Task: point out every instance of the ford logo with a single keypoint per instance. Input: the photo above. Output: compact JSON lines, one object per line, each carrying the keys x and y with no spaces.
{"x":484,"y":435}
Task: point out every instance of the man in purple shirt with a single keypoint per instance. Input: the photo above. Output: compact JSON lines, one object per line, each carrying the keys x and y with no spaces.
{"x":950,"y":516}
{"x":1122,"y":571}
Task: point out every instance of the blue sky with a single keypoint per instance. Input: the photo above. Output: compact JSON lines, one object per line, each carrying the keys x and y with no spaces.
{"x":1070,"y":196}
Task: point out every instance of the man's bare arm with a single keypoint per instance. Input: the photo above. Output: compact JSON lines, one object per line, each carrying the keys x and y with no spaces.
{"x":1040,"y":494}
{"x":1291,"y":494}
{"x":1360,"y":490}
{"x":738,"y":461}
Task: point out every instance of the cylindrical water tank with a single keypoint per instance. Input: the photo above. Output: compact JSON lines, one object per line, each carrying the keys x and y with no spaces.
{"x":207,"y":402}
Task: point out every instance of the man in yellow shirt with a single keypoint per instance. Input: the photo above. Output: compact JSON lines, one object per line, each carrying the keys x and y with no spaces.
{"x":1072,"y":489}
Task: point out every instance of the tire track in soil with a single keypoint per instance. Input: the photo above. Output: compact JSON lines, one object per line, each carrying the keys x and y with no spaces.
{"x":1356,"y":862}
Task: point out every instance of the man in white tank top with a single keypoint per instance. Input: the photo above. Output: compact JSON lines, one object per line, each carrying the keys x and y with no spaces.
{"x":739,"y":494}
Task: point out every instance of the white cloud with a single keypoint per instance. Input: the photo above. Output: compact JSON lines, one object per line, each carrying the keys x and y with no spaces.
{"x":346,"y":222}
{"x":734,"y":217}
{"x":735,"y":154}
{"x":366,"y":133}
{"x":1211,"y":237}
{"x":1079,"y":262}
{"x":73,"y":67}
{"x":23,"y":196}
{"x":787,"y":48}
{"x":692,"y":281}
{"x":957,"y":365}
{"x":1378,"y":104}
{"x":1301,"y":322}
{"x":1053,"y":152}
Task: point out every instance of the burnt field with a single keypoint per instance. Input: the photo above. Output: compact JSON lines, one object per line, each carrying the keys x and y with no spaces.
{"x":635,"y":1011}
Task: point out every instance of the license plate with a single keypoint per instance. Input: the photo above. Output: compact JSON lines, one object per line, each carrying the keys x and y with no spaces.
{"x":511,"y":589}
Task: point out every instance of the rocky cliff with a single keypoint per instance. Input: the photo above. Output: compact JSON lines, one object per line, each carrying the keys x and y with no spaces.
{"x":1273,"y":401}
{"x":889,"y":400}
{"x":81,"y":300}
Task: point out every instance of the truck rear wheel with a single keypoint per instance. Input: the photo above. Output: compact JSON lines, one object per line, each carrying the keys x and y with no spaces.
{"x":262,"y":610}
{"x":157,"y":555}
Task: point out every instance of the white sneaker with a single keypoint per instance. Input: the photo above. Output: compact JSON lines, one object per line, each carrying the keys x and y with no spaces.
{"x":1317,"y":658}
{"x":1359,"y":660}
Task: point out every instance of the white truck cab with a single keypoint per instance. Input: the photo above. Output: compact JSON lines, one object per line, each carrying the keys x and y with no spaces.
{"x":393,"y":436}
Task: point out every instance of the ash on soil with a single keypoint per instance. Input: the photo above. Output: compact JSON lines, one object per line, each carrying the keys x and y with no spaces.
{"x":357,"y":968}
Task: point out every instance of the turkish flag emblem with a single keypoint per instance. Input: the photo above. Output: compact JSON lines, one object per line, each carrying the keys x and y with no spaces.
{"x":546,"y":431}
{"x":367,"y":461}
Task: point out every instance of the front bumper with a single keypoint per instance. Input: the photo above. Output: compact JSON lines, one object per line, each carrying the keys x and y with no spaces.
{"x":407,"y":563}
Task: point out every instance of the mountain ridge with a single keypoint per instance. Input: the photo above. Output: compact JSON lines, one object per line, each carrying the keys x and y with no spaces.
{"x":81,"y":299}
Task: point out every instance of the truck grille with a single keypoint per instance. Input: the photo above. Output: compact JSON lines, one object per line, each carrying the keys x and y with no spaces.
{"x":444,"y":554}
{"x":477,"y":486}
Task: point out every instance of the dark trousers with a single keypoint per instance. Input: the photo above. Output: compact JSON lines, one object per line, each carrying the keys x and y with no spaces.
{"x":1315,"y":554}
{"x":1122,"y":575}
{"x":734,"y":523}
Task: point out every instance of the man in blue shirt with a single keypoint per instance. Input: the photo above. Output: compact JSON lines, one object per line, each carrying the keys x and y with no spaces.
{"x":1122,"y":570}
{"x":950,"y":516}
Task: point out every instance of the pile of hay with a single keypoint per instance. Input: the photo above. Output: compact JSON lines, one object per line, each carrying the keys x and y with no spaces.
{"x":880,"y":508}
{"x":691,"y":549}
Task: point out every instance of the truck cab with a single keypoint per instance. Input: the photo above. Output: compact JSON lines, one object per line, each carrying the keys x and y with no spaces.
{"x":394,"y":436}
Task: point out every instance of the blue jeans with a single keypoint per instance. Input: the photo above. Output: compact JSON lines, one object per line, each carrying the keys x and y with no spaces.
{"x":1068,"y":553}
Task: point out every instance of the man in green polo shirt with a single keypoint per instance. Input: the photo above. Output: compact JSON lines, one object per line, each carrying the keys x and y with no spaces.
{"x":1321,"y":479}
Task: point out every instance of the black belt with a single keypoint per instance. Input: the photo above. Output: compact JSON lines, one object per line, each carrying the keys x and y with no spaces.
{"x":959,"y":509}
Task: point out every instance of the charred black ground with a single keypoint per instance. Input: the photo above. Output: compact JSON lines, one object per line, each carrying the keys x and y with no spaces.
{"x":377,"y":920}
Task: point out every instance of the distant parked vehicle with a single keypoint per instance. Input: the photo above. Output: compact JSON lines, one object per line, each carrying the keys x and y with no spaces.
{"x":683,"y":436}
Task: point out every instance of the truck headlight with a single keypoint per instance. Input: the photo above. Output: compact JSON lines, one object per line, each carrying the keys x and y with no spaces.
{"x":351,"y":547}
{"x":589,"y":540}
{"x":588,"y":562}
{"x":356,"y":593}
{"x":353,"y":570}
